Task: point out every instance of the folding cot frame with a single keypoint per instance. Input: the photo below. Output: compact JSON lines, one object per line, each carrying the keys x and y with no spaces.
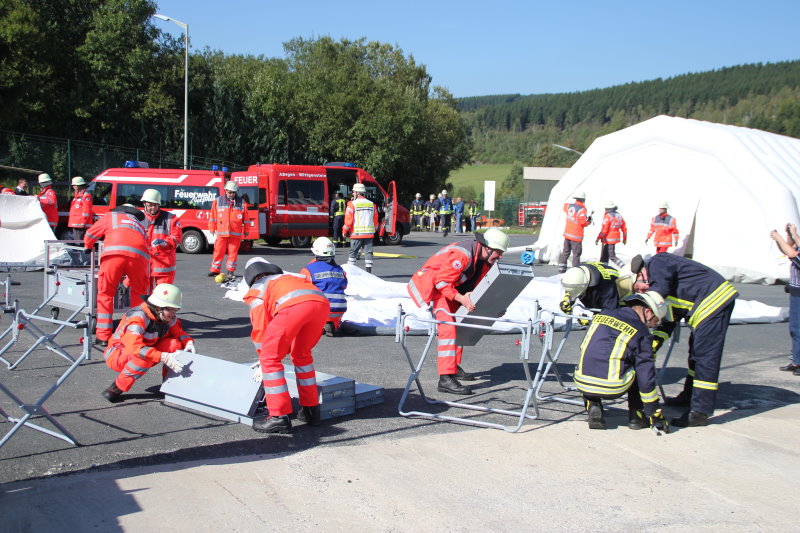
{"x":542,"y":326}
{"x":76,"y":291}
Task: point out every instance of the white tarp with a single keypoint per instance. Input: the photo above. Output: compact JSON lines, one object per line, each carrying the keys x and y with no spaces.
{"x":372,"y":302}
{"x":23,"y":230}
{"x":727,"y":186}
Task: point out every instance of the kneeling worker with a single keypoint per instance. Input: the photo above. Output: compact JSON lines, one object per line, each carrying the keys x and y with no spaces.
{"x":330,"y":278}
{"x":288,"y":314}
{"x":597,"y":285}
{"x":446,"y":280}
{"x":148,"y":334}
{"x":617,"y":357}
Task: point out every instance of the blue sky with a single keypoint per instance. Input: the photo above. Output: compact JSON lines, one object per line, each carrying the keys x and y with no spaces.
{"x":496,"y":47}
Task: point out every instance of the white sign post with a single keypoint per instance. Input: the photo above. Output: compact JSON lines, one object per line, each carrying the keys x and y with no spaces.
{"x":488,"y":197}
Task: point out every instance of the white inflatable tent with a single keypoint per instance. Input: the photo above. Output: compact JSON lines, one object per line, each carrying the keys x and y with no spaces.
{"x":727,"y":187}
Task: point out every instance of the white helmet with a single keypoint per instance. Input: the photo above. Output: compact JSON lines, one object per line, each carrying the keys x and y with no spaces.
{"x":653,"y":300}
{"x":79,"y":181}
{"x":359,"y":187}
{"x":433,"y":196}
{"x":418,"y":195}
{"x":625,"y":281}
{"x":663,"y":205}
{"x":45,"y":179}
{"x":610,"y":204}
{"x":152,"y":196}
{"x":494,"y":239}
{"x":166,"y":295}
{"x":231,"y":186}
{"x":580,"y":195}
{"x":575,"y":281}
{"x":323,"y":247}
{"x":444,"y":193}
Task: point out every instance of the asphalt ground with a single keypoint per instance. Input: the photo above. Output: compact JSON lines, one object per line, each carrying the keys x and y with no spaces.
{"x":144,"y":431}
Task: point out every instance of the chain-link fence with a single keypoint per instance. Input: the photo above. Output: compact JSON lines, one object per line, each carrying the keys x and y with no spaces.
{"x":25,"y":156}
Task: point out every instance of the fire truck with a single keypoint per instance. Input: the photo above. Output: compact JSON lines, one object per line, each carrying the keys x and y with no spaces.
{"x":293,"y":201}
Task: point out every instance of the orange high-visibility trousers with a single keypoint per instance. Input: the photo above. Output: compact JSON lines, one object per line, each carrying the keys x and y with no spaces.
{"x":162,"y":277}
{"x":449,"y":353}
{"x":295,"y":329}
{"x":222,"y":245}
{"x":111,"y":271}
{"x":132,"y":366}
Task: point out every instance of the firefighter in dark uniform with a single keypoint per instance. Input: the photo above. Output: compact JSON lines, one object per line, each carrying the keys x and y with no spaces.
{"x":417,"y":210}
{"x":705,"y":300}
{"x":617,"y":358}
{"x":597,"y":285}
{"x":338,"y":205}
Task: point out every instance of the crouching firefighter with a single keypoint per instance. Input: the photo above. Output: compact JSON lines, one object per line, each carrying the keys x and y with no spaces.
{"x":617,"y":358}
{"x":288,"y":314}
{"x":148,"y":334}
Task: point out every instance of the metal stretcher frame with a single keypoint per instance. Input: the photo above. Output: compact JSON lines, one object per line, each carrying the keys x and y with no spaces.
{"x":525,"y":328}
{"x":548,"y":361}
{"x":83,"y":303}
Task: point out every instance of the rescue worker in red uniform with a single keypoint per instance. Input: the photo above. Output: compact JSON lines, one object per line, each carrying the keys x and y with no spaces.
{"x":48,"y":200}
{"x":446,"y":281}
{"x":616,"y":358}
{"x":360,"y":223}
{"x":288,"y":314}
{"x":124,"y":254}
{"x":665,"y":228}
{"x":705,"y":300}
{"x":611,"y":233}
{"x":148,"y":334}
{"x":227,"y":221}
{"x":81,"y":210}
{"x":7,"y":190}
{"x":577,"y":219}
{"x":163,"y":235}
{"x":330,"y":278}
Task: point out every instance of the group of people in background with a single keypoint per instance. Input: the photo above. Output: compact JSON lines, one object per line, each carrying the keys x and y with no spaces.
{"x":441,"y":213}
{"x":613,"y":230}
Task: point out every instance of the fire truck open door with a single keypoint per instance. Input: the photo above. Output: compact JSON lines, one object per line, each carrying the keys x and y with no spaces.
{"x":389,"y":226}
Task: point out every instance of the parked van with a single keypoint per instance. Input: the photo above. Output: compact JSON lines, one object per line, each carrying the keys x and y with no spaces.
{"x":294,"y":200}
{"x":186,"y":193}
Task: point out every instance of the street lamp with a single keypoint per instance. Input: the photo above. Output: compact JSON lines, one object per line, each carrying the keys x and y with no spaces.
{"x":185,"y":86}
{"x":567,"y":149}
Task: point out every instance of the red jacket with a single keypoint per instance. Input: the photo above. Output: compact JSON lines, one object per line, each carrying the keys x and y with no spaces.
{"x":227,"y":218}
{"x":269,"y":295}
{"x":139,"y":331}
{"x":665,"y":227}
{"x":6,"y":190}
{"x":167,"y":227}
{"x":124,"y":235}
{"x":452,"y":270}
{"x":81,"y":211}
{"x":614,"y":228}
{"x":49,"y":202}
{"x":577,"y":219}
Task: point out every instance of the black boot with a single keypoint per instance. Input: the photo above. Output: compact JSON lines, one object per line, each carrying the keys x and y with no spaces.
{"x":309,"y":415}
{"x":636,"y":420}
{"x":463,"y":376}
{"x":369,"y":270}
{"x":596,"y":418}
{"x":112,"y":393}
{"x":449,"y":383}
{"x":329,"y":330}
{"x":690,"y":419}
{"x":100,"y":343}
{"x":273,"y":424}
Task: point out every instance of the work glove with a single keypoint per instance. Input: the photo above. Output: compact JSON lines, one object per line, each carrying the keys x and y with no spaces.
{"x":171,"y":361}
{"x":589,"y":220}
{"x":258,"y":377}
{"x":87,"y":251}
{"x":158,"y":242}
{"x":566,"y":305}
{"x":657,"y":342}
{"x":658,"y":422}
{"x":583,"y":321}
{"x":190,"y":347}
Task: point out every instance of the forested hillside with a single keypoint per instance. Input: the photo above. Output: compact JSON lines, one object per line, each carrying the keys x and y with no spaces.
{"x":507,"y":128}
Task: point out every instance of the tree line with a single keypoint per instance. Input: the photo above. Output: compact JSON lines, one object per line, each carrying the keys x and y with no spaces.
{"x":507,"y":128}
{"x":101,"y":71}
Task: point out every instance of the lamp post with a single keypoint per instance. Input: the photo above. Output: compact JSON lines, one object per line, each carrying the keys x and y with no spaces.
{"x":567,"y":149}
{"x":185,"y":86}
